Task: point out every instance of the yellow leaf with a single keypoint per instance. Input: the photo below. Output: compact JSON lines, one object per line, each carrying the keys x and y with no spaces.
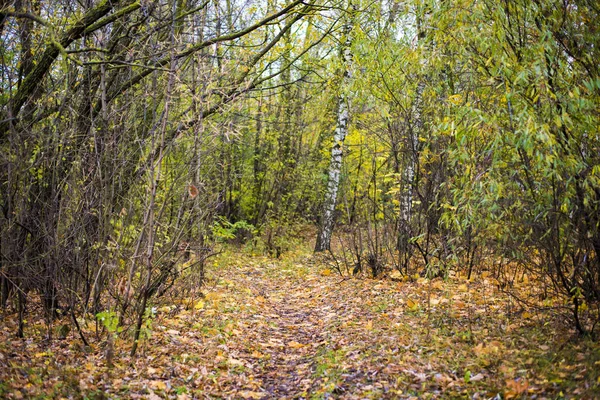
{"x":260,"y":299}
{"x":326,"y":272}
{"x":395,"y":275}
{"x":463,"y":288}
{"x":158,"y":385}
{"x":212,"y":296}
{"x":256,"y":354}
{"x":235,"y":362}
{"x":434,"y":301}
{"x":412,"y":305}
{"x":247,"y":394}
{"x":527,"y":315}
{"x":369,"y":325}
{"x":295,"y":345}
{"x":455,"y":99}
{"x":199,"y":305}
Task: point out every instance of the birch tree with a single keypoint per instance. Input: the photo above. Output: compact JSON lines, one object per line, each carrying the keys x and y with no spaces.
{"x":341,"y":131}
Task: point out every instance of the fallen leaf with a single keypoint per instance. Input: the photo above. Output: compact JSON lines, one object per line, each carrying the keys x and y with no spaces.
{"x":295,"y":345}
{"x":395,"y":275}
{"x":158,"y":385}
{"x":199,"y":305}
{"x":247,"y":394}
{"x":235,"y":362}
{"x":477,"y":378}
{"x":515,"y":387}
{"x":412,"y":305}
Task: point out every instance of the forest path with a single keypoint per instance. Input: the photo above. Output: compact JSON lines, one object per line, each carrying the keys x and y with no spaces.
{"x":305,"y":331}
{"x":295,"y":329}
{"x":291,"y":328}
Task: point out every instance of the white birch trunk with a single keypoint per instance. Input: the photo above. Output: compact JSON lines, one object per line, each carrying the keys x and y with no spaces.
{"x":341,"y":131}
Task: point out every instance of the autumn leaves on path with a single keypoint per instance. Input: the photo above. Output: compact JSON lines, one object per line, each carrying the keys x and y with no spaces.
{"x":289,"y":329}
{"x":302,"y":331}
{"x":290,"y":339}
{"x":295,"y":329}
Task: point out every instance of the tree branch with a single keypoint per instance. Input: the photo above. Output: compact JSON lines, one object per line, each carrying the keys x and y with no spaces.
{"x":92,"y":20}
{"x":199,"y":46}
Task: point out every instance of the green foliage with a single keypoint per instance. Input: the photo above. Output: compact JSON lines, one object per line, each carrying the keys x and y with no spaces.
{"x":110,"y":321}
{"x":148,"y":319}
{"x":223,"y":230}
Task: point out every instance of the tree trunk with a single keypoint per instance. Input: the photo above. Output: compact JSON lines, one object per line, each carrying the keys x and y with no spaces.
{"x":341,"y":130}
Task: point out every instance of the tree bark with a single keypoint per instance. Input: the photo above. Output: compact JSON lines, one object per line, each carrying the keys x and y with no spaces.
{"x":341,"y":131}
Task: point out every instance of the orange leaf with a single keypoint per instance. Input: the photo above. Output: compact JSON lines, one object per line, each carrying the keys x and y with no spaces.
{"x":515,"y":388}
{"x":193,"y":191}
{"x":295,"y":345}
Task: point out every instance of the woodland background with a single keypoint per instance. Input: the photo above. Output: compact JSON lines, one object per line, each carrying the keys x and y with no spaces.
{"x":138,"y":139}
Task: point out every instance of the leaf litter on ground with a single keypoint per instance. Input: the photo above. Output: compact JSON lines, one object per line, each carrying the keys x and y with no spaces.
{"x":292,"y":328}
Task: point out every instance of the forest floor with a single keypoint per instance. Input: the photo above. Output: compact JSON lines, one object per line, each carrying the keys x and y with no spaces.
{"x":294,"y":328}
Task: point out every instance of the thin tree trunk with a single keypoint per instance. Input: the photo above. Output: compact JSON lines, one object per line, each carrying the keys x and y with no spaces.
{"x":155,"y":174}
{"x":341,"y":130}
{"x":407,"y":193}
{"x":412,"y":156}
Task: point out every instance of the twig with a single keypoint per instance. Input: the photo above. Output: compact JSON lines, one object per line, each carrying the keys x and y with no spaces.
{"x":85,"y":342}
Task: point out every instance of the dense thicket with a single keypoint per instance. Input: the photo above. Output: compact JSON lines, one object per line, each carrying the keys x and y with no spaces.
{"x":137,"y":134}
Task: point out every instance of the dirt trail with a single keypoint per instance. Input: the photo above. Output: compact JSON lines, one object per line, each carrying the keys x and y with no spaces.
{"x":311,"y":333}
{"x":292,"y":329}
